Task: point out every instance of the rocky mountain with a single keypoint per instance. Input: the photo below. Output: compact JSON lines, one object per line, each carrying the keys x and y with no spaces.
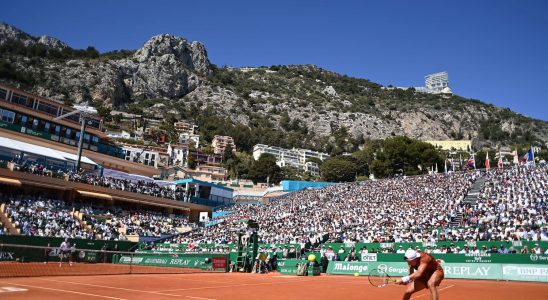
{"x":8,"y":32}
{"x":165,"y":67}
{"x":302,"y":106}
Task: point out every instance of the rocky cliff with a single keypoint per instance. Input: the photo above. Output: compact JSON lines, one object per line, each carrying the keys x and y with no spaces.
{"x":165,"y":67}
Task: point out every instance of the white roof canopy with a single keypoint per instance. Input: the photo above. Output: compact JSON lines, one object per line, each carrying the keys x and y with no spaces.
{"x":41,"y":151}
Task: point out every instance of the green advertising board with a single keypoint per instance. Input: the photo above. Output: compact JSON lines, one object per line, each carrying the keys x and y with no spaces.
{"x":363,"y":268}
{"x":10,"y":126}
{"x":514,"y":272}
{"x":472,"y":271}
{"x":199,"y":261}
{"x":459,"y":258}
{"x":42,"y":134}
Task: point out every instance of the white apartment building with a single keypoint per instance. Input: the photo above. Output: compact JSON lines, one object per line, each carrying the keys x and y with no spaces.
{"x":190,"y":139}
{"x":118,"y":135}
{"x":178,"y":154}
{"x":437,"y":83}
{"x":220,"y":142}
{"x":149,"y":157}
{"x":290,"y":157}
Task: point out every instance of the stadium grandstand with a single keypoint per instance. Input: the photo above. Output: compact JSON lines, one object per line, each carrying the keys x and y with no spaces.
{"x":123,"y":219}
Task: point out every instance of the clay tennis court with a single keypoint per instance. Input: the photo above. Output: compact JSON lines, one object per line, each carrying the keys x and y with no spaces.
{"x":221,"y":286}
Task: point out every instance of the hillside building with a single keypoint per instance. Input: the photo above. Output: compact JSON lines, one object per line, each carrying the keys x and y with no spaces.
{"x":205,"y":173}
{"x":178,"y":154}
{"x":185,"y":127}
{"x":462,"y":145}
{"x":147,"y":155}
{"x":191,"y":139}
{"x":291,"y":157}
{"x":437,"y":82}
{"x":220,"y":142}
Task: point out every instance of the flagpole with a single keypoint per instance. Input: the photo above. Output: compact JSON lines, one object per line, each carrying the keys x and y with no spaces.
{"x":533,"y":156}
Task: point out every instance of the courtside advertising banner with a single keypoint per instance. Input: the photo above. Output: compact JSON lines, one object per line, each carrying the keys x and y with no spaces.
{"x":525,"y":272}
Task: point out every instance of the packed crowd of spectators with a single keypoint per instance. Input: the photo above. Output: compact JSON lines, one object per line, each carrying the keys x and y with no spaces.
{"x":354,"y":254}
{"x":512,"y":205}
{"x":39,"y":216}
{"x":392,"y":210}
{"x":142,"y":187}
{"x":35,"y":168}
{"x":150,"y":188}
{"x":117,"y":224}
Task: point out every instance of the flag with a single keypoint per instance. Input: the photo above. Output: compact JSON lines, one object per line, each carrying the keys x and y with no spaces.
{"x":516,"y":160}
{"x":471,"y":163}
{"x":529,"y":156}
{"x":436,"y":167}
{"x":452,"y":167}
{"x":445,"y":169}
{"x":499,"y":165}
{"x":487,"y":162}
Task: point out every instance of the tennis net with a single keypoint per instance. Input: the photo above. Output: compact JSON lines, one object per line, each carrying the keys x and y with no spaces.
{"x":26,"y":261}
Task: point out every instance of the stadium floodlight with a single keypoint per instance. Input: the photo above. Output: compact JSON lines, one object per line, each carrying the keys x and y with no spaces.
{"x":86,"y":112}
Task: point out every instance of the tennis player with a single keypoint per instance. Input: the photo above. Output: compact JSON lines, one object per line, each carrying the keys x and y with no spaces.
{"x":64,"y":251}
{"x":424,"y":272}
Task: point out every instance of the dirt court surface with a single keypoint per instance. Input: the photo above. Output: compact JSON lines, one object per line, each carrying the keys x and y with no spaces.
{"x":221,"y":286}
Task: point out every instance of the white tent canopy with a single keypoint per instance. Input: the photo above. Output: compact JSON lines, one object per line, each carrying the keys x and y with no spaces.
{"x":41,"y":151}
{"x":133,"y":177}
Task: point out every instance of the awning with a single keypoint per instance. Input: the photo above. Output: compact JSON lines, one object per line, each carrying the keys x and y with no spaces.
{"x":95,"y":195}
{"x":42,"y":151}
{"x":10,"y":181}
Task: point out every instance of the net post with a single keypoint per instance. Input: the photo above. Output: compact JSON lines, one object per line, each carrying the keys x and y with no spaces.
{"x":131,"y":263}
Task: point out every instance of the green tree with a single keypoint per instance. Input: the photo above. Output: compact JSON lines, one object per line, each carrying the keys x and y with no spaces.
{"x":338,"y":169}
{"x":192,"y":162}
{"x":401,"y":155}
{"x":480,"y":159}
{"x":243,"y":164}
{"x":362,"y":162}
{"x":228,"y":153}
{"x":104,"y":112}
{"x":382,"y":167}
{"x":315,"y":160}
{"x":291,"y":173}
{"x":265,"y":169}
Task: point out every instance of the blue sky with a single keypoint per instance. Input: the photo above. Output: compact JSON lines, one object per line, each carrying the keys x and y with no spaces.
{"x":494,"y":50}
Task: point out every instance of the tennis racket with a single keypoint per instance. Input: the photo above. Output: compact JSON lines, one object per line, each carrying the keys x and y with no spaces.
{"x":380,"y":279}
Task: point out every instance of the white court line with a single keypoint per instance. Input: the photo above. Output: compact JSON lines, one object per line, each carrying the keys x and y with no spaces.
{"x":439,"y":290}
{"x":232,"y":285}
{"x":172,"y":276}
{"x":200,"y":298}
{"x":66,"y":291}
{"x":112,"y":287}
